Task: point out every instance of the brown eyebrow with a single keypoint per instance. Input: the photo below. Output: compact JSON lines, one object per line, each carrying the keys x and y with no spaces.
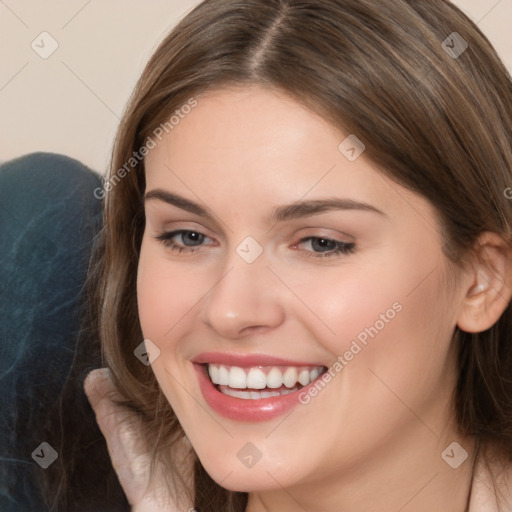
{"x":176,"y":200}
{"x":295,"y":210}
{"x":317,"y":206}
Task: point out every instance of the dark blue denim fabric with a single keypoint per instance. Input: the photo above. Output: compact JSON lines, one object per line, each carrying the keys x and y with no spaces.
{"x":48,"y":220}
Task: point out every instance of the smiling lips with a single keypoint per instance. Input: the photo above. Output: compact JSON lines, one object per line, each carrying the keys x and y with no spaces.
{"x":252,"y":388}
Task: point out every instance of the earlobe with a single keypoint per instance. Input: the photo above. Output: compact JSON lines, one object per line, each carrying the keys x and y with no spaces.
{"x":490,"y":290}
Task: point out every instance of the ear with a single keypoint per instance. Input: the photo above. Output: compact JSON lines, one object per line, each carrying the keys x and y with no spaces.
{"x":489,"y":291}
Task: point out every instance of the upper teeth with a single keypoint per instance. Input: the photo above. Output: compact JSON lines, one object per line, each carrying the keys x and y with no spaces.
{"x":262,"y":377}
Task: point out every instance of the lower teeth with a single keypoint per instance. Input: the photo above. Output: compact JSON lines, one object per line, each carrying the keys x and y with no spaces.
{"x":255,"y":394}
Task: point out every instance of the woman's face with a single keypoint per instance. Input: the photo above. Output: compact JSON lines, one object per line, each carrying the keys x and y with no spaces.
{"x":272,"y":252}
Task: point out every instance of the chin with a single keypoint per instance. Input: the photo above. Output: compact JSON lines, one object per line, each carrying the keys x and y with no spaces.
{"x":237,"y":478}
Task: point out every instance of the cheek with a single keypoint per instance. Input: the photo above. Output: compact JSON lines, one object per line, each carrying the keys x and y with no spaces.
{"x":392,"y":331}
{"x":394,"y":316}
{"x":401,"y":329}
{"x":351,"y":304}
{"x":164,"y":296}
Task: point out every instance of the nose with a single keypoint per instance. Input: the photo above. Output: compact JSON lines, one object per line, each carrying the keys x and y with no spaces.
{"x":244,"y":300}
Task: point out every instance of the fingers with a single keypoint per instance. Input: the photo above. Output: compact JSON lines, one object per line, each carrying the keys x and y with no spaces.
{"x":102,"y":394}
{"x":119,"y":425}
{"x":130,"y":456}
{"x":98,"y":385}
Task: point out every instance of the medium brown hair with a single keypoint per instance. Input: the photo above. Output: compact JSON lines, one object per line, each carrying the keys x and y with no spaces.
{"x":438,"y":125}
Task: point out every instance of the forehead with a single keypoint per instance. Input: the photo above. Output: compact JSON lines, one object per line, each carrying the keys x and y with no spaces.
{"x":250,"y":124}
{"x":259,"y":147}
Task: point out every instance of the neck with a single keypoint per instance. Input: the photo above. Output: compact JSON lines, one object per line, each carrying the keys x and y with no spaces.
{"x":406,"y":475}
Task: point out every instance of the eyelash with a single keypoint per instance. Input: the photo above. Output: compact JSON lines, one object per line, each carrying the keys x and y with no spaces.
{"x":340,"y":247}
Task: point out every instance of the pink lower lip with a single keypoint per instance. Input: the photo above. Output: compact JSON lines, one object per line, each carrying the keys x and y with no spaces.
{"x":239,"y":409}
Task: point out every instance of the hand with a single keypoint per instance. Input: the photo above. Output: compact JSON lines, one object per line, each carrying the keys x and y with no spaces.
{"x":130,"y":457}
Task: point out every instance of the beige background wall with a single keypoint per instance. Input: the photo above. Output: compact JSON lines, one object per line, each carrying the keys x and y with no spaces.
{"x":71,"y":101}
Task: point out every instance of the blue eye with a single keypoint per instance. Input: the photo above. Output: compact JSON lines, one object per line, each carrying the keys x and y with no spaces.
{"x":326,"y":247}
{"x":191,"y":240}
